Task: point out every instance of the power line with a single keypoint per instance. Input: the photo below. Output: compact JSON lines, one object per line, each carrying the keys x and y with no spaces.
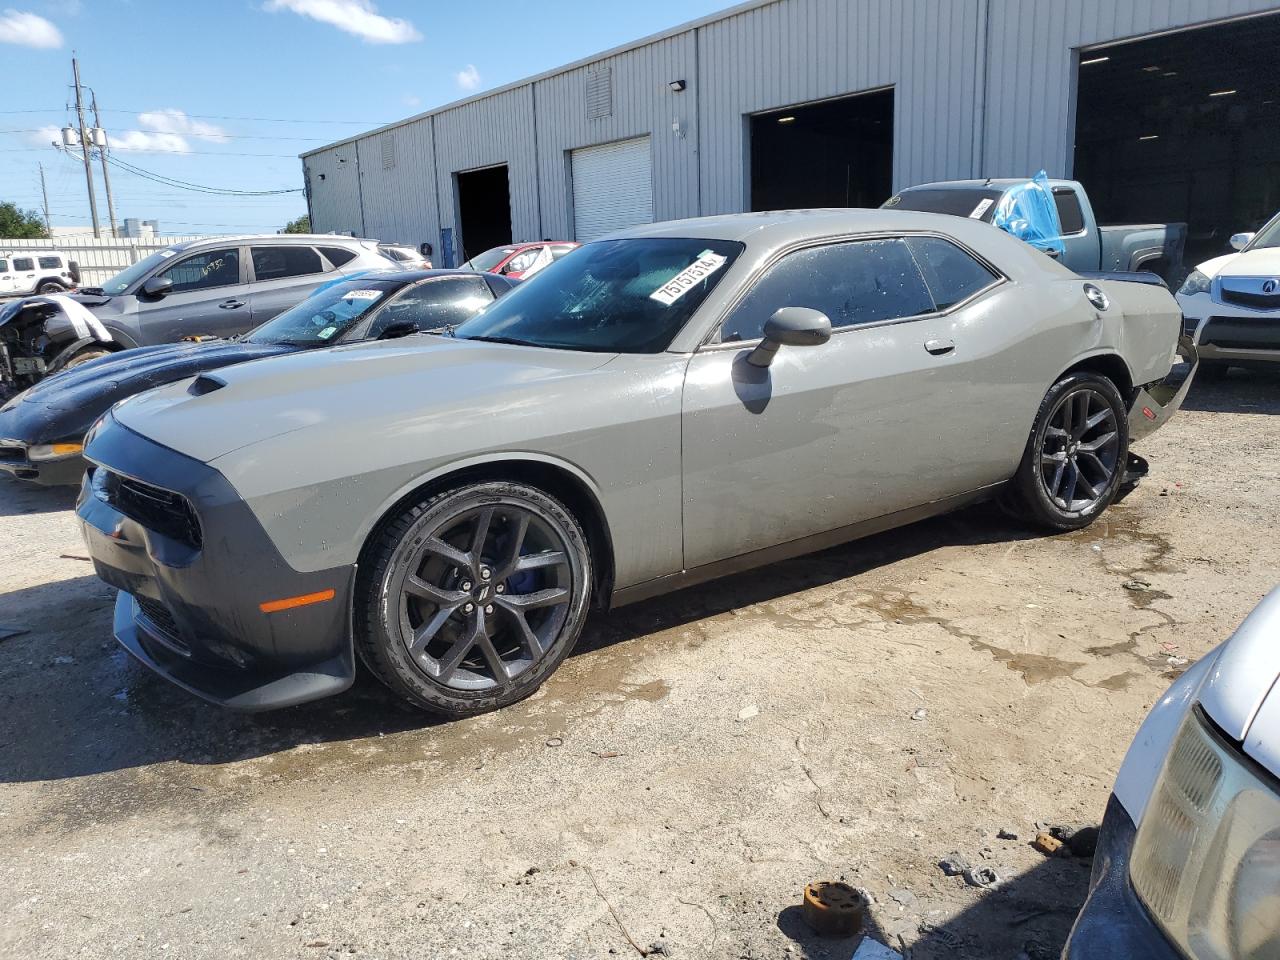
{"x":195,"y":187}
{"x":213,"y":116}
{"x":210,"y":136}
{"x":183,"y":153}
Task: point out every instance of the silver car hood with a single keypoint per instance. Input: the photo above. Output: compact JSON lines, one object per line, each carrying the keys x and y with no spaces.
{"x":238,"y":406}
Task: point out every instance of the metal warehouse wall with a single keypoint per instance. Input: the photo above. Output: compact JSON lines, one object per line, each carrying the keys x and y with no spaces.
{"x":981,"y":87}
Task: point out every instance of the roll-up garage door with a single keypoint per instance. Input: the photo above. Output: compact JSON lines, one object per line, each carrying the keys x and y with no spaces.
{"x":612,"y":187}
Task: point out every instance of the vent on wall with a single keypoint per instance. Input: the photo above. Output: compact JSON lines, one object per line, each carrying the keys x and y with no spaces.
{"x":388,"y":151}
{"x":599,"y":93}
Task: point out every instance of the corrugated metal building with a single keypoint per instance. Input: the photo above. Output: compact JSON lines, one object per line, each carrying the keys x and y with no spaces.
{"x":830,"y":102}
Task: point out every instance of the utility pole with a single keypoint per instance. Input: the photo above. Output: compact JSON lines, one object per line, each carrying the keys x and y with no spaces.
{"x":44,"y":192}
{"x":84,"y":150}
{"x":102,"y":156}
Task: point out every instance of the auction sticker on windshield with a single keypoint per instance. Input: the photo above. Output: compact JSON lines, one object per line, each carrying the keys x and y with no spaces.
{"x":688,"y":278}
{"x":362,"y":295}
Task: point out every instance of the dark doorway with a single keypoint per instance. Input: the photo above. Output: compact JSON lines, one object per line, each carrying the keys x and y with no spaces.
{"x":837,"y":153}
{"x":1182,"y":128}
{"x":484,"y":210}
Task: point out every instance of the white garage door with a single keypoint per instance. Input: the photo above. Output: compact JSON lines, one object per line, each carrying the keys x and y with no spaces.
{"x":612,"y":188}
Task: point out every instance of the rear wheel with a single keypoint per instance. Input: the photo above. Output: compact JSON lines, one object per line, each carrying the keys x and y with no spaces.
{"x":1075,"y":458}
{"x":84,"y":356}
{"x":51,"y":286}
{"x":470,"y":599}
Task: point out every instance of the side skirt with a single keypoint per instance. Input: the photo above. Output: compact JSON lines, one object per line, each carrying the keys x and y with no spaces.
{"x":796,"y":548}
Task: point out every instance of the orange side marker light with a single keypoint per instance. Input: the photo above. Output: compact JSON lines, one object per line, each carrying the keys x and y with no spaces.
{"x":288,"y":603}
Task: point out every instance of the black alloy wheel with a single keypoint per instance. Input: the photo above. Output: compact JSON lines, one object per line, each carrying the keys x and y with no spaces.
{"x":1074,"y":461}
{"x":475,"y":596}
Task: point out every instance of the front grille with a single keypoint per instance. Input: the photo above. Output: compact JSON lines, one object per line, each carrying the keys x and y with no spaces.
{"x":12,"y":453}
{"x":169,"y":514}
{"x":1258,"y":301}
{"x":162,"y":625}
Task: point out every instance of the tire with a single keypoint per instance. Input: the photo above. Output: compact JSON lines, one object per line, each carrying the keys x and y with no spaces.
{"x":84,"y":356}
{"x":1070,"y":471}
{"x":50,"y":286}
{"x":458,"y":633}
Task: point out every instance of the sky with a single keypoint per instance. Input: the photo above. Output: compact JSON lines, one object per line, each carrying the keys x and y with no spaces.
{"x":227,"y":93}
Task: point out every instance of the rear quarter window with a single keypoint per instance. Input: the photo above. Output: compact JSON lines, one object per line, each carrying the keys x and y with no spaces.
{"x":951,"y":273}
{"x":49,"y":263}
{"x":338,"y":256}
{"x":1069,"y":212}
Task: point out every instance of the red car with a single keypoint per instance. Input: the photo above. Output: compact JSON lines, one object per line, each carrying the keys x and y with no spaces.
{"x":520,"y":260}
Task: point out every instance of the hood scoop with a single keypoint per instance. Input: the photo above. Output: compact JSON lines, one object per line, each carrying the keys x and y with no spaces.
{"x":205,"y":383}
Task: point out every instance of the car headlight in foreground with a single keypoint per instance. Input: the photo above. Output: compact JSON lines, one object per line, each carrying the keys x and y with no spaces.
{"x":1196,"y":282}
{"x":1206,"y":860}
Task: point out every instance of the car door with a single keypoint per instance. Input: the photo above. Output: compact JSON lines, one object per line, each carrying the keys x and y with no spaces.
{"x":883,"y":417}
{"x":24,"y":274}
{"x":433,"y":304}
{"x":8,"y":282}
{"x":283,"y":275}
{"x":209,"y":297}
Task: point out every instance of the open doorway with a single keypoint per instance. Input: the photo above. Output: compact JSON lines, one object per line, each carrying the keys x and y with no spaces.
{"x":1182,"y":128}
{"x":834,"y":153}
{"x":484,"y":210}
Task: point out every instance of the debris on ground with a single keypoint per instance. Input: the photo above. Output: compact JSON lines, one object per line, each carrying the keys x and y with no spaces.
{"x":902,"y":897}
{"x":1004,"y":833}
{"x":832,"y":908}
{"x":953,"y":865}
{"x":981,"y":877}
{"x":1047,"y":844}
{"x":747,"y":712}
{"x":1081,"y":841}
{"x":870,"y":949}
{"x":1137,"y":586}
{"x":555,"y":742}
{"x":920,"y":714}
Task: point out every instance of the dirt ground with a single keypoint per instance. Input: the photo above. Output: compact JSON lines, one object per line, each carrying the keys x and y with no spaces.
{"x":677,"y":782}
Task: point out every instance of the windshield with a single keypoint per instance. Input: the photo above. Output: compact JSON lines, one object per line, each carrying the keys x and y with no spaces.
{"x":325,"y":316}
{"x":1268,"y":236}
{"x":127,"y":277}
{"x":958,"y":203}
{"x":615,"y":296}
{"x":489,"y":259}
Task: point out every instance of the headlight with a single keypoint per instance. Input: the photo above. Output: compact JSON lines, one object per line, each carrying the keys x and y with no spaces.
{"x":1206,"y":860}
{"x":54,"y":451}
{"x":1196,"y":282}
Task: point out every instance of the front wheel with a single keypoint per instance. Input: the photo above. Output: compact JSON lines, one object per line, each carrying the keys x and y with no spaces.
{"x":468,"y":600}
{"x":50,"y":287}
{"x":1075,"y":458}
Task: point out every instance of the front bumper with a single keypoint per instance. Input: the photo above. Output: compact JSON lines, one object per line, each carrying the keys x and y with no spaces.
{"x":1231,"y":337}
{"x":65,"y":471}
{"x":191,"y":610}
{"x":1113,"y":922}
{"x":1156,"y":403}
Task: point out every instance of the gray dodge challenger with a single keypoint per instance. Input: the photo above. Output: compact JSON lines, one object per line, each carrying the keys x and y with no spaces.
{"x":664,"y":406}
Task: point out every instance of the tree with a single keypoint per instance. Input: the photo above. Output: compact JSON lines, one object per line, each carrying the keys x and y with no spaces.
{"x":301,"y":225}
{"x":21,"y":224}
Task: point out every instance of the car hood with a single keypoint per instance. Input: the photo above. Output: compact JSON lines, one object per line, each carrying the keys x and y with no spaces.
{"x":1241,"y":694}
{"x":234,"y":408}
{"x":59,"y":405}
{"x":1263,"y":262}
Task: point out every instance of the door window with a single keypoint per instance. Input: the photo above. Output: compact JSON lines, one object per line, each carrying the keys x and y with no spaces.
{"x":523,"y":260}
{"x":49,"y":263}
{"x":213,"y":268}
{"x":434,"y":304}
{"x":23,"y":263}
{"x":279,"y":263}
{"x":1069,"y":212}
{"x":338,"y":256}
{"x":4,"y":266}
{"x":858,"y":282}
{"x":951,"y":273}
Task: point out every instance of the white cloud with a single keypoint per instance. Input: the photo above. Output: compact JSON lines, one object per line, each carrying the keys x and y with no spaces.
{"x":468,"y":77}
{"x":144,"y":141}
{"x":28,"y":30}
{"x":170,"y":120}
{"x":358,"y":17}
{"x":46,"y":135}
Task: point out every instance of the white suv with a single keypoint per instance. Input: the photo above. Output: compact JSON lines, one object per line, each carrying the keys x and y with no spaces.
{"x":24,"y":272}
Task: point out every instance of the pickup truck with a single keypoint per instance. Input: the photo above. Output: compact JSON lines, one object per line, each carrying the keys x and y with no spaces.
{"x":1084,"y":244}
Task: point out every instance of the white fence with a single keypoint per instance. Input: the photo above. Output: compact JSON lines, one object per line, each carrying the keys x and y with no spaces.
{"x":99,"y":258}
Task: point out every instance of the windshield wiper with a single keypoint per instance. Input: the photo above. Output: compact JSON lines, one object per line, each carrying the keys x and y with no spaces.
{"x":514,"y":341}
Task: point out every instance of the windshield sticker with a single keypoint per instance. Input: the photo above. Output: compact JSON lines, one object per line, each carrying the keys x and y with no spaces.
{"x":982,"y":207}
{"x":362,"y":295}
{"x":327,"y":332}
{"x":688,"y":278}
{"x":166,"y":254}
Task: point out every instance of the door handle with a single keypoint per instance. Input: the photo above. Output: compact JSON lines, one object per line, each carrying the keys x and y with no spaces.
{"x":231,"y":304}
{"x":940,"y":346}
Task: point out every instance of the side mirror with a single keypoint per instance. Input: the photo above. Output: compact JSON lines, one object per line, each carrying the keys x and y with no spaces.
{"x":1240,"y":240}
{"x":158,"y":287}
{"x":402,"y":328}
{"x":425,"y":249}
{"x":791,"y":327}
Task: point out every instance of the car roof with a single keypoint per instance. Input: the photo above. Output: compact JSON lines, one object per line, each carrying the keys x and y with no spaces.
{"x":408,"y":276}
{"x":309,"y":239}
{"x":1003,"y":183}
{"x":784,"y":226}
